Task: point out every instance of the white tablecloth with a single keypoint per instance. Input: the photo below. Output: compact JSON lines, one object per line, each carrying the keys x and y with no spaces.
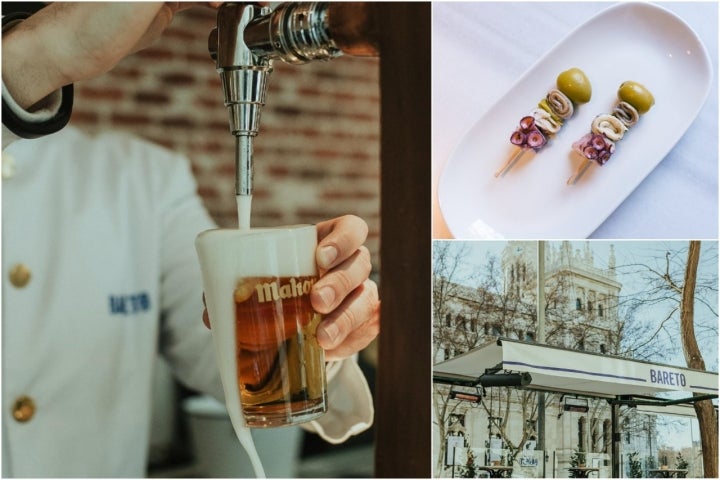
{"x":479,"y":49}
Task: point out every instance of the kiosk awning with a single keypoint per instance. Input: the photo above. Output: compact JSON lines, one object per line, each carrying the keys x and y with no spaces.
{"x":561,"y":370}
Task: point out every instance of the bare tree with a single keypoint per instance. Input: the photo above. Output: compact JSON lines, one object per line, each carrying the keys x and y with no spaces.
{"x":674,"y":287}
{"x":448,"y":280}
{"x":449,"y":288}
{"x":500,"y":413}
{"x":662,"y":277}
{"x":469,"y":307}
{"x":444,"y":408}
{"x":472,"y":305}
{"x":707,"y":418}
{"x":573,"y":328}
{"x":447,"y":258}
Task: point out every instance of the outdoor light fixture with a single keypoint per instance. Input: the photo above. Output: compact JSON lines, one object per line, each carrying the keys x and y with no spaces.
{"x":506,"y":380}
{"x":459,"y":380}
{"x":576,"y":405}
{"x":468,"y":397}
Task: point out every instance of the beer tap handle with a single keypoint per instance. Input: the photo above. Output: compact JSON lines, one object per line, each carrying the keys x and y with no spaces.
{"x":247,"y":39}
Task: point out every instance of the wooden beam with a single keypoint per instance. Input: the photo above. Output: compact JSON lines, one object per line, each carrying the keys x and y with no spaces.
{"x":403,"y":382}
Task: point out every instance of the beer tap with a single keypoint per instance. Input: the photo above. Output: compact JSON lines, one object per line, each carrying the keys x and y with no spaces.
{"x":247,"y":39}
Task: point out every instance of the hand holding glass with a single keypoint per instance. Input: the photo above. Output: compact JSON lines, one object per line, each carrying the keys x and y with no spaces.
{"x":257,"y":288}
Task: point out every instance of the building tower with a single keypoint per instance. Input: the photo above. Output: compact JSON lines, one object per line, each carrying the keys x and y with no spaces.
{"x":582,"y":298}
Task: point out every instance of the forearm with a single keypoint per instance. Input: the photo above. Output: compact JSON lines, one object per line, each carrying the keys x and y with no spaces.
{"x":66,"y":42}
{"x":26,"y":75}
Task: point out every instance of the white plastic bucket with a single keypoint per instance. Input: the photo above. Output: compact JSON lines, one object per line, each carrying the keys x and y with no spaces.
{"x":218,"y":452}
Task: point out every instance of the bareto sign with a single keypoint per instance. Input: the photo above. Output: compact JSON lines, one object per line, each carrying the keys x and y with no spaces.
{"x":665,"y":377}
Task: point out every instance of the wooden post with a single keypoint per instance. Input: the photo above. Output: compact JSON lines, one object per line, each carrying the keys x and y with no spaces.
{"x":402,"y":399}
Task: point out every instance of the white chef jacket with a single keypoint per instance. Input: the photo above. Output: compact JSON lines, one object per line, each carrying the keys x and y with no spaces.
{"x":106,"y":227}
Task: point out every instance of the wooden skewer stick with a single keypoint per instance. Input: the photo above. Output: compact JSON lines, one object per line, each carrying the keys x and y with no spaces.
{"x":510,"y":163}
{"x":582,"y":168}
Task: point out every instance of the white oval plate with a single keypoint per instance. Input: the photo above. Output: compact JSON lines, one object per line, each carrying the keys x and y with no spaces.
{"x":629,"y":41}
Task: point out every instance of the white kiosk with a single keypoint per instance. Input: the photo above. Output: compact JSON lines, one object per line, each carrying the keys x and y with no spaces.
{"x":621,"y":381}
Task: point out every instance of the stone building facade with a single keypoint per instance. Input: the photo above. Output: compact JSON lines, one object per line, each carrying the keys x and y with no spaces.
{"x":581,"y":313}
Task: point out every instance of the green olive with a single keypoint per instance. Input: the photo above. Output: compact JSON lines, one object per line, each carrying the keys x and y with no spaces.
{"x":636,"y":95}
{"x":575,"y":85}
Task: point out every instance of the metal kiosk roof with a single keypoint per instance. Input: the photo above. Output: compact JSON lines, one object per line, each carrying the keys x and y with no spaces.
{"x":561,"y":370}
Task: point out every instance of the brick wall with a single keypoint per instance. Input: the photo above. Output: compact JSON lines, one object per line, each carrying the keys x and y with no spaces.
{"x":317,"y":155}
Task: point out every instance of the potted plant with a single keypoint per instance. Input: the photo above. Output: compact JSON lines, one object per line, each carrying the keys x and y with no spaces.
{"x":577,"y":460}
{"x":469,"y":470}
{"x":681,"y":464}
{"x":635,"y":465}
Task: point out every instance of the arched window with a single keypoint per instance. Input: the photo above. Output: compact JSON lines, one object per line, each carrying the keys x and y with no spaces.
{"x":578,"y":304}
{"x":600,"y":310}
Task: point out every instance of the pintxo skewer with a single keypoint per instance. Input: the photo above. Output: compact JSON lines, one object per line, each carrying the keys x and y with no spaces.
{"x":546,"y":120}
{"x":606,"y":129}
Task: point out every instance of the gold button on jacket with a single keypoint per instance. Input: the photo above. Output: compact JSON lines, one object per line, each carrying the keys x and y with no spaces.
{"x":20,"y":275}
{"x":23,"y":409}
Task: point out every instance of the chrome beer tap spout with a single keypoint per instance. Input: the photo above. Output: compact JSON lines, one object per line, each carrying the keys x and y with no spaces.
{"x":247,"y":39}
{"x":244,"y":78}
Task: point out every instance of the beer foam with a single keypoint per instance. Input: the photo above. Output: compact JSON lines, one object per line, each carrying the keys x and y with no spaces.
{"x":239,"y":253}
{"x":246,"y":440}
